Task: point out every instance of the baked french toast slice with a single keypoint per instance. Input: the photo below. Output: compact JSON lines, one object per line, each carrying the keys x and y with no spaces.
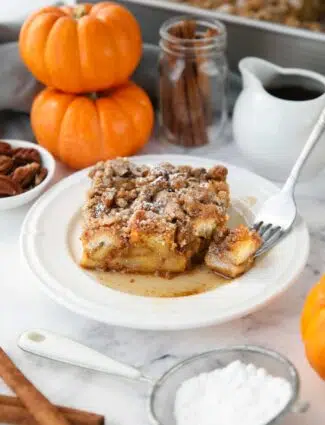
{"x":233,"y":254}
{"x":152,"y":219}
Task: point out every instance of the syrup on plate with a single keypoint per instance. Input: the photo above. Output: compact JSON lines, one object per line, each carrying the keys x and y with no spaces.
{"x":196,"y":281}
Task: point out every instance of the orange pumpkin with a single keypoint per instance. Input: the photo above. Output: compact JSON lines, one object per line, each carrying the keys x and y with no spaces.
{"x":313,"y":327}
{"x":83,"y":48}
{"x":81,"y":130}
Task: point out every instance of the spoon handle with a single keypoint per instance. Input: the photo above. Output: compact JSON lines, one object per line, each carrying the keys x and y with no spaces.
{"x":62,"y":349}
{"x":309,"y":146}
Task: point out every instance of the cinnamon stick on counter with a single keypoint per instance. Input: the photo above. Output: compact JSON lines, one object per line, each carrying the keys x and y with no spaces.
{"x":38,"y":406}
{"x":12,"y":411}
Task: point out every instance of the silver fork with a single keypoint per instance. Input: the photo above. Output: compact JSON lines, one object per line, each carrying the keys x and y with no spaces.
{"x":277,"y":215}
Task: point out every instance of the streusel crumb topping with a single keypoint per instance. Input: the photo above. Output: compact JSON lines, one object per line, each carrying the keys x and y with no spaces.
{"x":161,"y":198}
{"x":232,"y":236}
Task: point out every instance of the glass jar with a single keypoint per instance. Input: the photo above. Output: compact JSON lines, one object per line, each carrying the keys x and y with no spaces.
{"x":192,"y":84}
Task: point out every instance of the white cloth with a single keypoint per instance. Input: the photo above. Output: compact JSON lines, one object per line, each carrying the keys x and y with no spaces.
{"x":17,"y":86}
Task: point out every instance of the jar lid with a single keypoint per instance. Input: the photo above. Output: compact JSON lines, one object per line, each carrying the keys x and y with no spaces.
{"x":188,"y":34}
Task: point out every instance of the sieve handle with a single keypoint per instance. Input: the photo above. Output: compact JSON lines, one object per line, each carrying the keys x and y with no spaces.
{"x":56,"y":347}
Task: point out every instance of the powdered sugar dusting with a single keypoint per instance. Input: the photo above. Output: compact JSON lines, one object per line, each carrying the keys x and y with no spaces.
{"x":238,"y":394}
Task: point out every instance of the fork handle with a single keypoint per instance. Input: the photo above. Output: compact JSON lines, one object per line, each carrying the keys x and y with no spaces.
{"x":309,"y":146}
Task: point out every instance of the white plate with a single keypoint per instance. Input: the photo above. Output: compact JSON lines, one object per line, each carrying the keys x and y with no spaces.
{"x":50,"y":238}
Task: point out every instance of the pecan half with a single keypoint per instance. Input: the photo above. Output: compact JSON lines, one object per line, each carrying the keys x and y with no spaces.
{"x":40,"y":176}
{"x":8,"y":187}
{"x":25,"y":174}
{"x":24,"y":156}
{"x":6,"y":164}
{"x":108,"y":197}
{"x":5,"y":149}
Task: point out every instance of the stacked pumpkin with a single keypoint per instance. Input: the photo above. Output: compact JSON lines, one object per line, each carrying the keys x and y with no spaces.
{"x":90,"y":111}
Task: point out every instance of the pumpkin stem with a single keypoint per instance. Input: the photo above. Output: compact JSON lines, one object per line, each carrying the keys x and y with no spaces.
{"x":93,"y":95}
{"x":79,"y":11}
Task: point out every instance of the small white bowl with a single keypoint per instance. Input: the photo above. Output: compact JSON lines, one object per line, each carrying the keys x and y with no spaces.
{"x":47,"y":161}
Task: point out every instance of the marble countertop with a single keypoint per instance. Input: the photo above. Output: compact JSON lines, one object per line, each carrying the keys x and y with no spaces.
{"x":23,"y":306}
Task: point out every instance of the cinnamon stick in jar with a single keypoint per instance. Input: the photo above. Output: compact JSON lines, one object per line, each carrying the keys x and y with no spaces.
{"x":35,"y":402}
{"x":191,"y":79}
{"x":181,"y":129}
{"x":203,"y":77}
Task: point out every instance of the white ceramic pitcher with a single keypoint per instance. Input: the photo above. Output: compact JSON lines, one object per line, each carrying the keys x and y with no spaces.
{"x":270,"y":131}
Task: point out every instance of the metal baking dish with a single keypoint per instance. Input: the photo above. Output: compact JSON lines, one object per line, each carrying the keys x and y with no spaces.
{"x":283,"y":45}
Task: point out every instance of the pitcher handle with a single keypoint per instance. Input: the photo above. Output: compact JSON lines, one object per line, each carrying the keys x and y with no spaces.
{"x":307,"y":150}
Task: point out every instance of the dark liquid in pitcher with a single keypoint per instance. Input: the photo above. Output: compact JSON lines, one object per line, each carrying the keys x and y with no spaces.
{"x":294,"y":87}
{"x":294,"y":92}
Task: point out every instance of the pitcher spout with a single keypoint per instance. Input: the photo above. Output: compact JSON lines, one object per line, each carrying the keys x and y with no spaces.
{"x":257,"y":72}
